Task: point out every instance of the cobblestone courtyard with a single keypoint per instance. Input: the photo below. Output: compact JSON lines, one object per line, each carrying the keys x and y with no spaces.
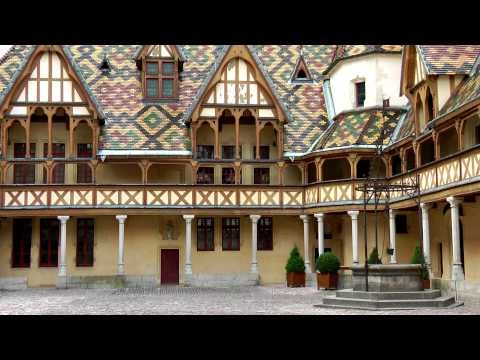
{"x":185,"y":300}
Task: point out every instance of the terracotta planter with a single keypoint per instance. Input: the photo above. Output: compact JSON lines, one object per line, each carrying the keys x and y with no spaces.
{"x":296,"y":279}
{"x":327,"y":281}
{"x":426,"y":284}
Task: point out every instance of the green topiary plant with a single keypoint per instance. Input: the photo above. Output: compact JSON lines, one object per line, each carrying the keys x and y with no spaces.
{"x":295,"y":262}
{"x":418,"y":258}
{"x":328,"y":263}
{"x":373,"y":258}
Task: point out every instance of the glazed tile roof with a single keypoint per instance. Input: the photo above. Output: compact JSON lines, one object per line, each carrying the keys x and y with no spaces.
{"x":468,"y":90}
{"x":361,"y":127}
{"x":449,"y":59}
{"x":305,"y":103}
{"x":10,"y":64}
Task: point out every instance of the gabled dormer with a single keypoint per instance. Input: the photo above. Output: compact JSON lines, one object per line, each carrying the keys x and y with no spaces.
{"x":301,"y":74}
{"x":160,"y":66}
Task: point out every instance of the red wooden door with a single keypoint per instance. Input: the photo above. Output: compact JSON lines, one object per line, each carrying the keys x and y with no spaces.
{"x":169,"y":271}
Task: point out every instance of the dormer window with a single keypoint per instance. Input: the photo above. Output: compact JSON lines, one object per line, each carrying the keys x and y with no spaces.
{"x":301,"y":73}
{"x":159,"y":64}
{"x":360,"y":94}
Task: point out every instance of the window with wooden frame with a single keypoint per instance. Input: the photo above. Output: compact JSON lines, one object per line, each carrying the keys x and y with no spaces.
{"x":58,"y":173}
{"x":205,"y":151}
{"x":264,"y":152}
{"x":228,"y":176}
{"x":265,"y":233}
{"x":228,"y":152}
{"x":205,"y":176}
{"x":23,"y":173}
{"x":85,"y":242}
{"x":161,"y":75}
{"x":21,"y":243}
{"x":205,"y":234}
{"x":231,"y":233}
{"x":49,"y":233}
{"x":261,"y":176}
{"x":360,"y":94}
{"x":84,"y":171}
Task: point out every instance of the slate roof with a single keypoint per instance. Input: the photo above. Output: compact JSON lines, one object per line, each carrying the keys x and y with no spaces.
{"x":361,"y":127}
{"x":449,"y":59}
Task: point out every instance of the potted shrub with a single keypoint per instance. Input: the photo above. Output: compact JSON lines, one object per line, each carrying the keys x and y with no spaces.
{"x":418,"y":258}
{"x":373,"y":258}
{"x":295,"y":269}
{"x":327,"y":266}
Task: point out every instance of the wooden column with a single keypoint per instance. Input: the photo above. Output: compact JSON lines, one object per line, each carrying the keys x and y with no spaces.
{"x":27,"y":134}
{"x":194,"y":166}
{"x":94,"y":165}
{"x":459,"y":126}
{"x":352,"y":159}
{"x":144,"y":166}
{"x":49,"y":114}
{"x":280,"y":141}
{"x":281,"y":169}
{"x":416,"y":151}
{"x":403,"y":161}
{"x":193,"y":130}
{"x":257,"y":139}
{"x":238,"y":172}
{"x":217,"y":139}
{"x":436,"y":146}
{"x":95,"y":134}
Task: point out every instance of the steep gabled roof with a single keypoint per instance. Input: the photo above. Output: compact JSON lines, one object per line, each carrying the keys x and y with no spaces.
{"x":448,"y":59}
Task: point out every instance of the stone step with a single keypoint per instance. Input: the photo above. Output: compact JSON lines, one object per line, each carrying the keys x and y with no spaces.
{"x":389,"y":295}
{"x":443,"y":301}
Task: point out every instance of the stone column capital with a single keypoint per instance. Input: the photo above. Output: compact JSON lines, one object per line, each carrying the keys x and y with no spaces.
{"x":188,"y":218}
{"x":353,"y":214}
{"x":305,"y":218}
{"x":319,"y":216}
{"x":121,"y":218}
{"x":63,"y":219}
{"x":454,"y":201}
{"x":255,"y":218}
{"x":425,"y":206}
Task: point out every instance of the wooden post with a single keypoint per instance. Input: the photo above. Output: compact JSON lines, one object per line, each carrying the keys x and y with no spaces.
{"x":459,"y":126}
{"x":436,"y":146}
{"x":27,"y":134}
{"x":217,"y":139}
{"x":257,"y":136}
{"x":49,"y":113}
{"x":281,"y":169}
{"x":237,"y":135}
{"x":72,"y":125}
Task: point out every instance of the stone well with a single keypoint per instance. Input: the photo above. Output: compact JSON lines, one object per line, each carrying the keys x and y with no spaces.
{"x":392,"y":277}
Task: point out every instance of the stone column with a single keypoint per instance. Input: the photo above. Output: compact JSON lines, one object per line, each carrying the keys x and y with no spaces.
{"x":121,"y":244}
{"x":354,"y":215}
{"x":254,"y":265}
{"x":321,"y":240}
{"x":305,"y":219}
{"x":426,"y":234}
{"x":188,"y":243}
{"x":393,"y":231}
{"x":62,"y":269}
{"x":457,"y":271}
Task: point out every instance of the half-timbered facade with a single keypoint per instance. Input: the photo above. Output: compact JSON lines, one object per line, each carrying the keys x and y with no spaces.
{"x":152,"y":164}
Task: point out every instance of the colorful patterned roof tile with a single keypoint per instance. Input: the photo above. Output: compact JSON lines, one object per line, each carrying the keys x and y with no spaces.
{"x":468,"y":90}
{"x":362,"y":127}
{"x":305,"y":103}
{"x":449,"y":59}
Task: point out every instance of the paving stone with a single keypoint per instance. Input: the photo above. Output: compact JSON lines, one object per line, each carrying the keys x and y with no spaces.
{"x":256,"y":300}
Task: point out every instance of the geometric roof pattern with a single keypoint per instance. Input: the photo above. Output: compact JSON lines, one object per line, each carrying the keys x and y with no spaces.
{"x":449,"y":59}
{"x":362,"y":127}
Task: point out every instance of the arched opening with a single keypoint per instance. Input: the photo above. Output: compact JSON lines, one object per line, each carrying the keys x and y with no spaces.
{"x":83,"y":148}
{"x":268,"y":142}
{"x":226,"y":128}
{"x":292,"y":175}
{"x":371,"y":167}
{"x":410,"y":159}
{"x":205,"y":141}
{"x":448,"y":142}
{"x":118,"y":173}
{"x":396,"y":165}
{"x":427,"y":151}
{"x":167,"y":174}
{"x":429,"y":105}
{"x":311,"y":173}
{"x":20,"y":173}
{"x":336,"y":169}
{"x":420,"y":114}
{"x":248,"y":136}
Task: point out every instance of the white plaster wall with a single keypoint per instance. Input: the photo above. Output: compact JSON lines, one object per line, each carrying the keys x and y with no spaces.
{"x":443,"y":89}
{"x":381,"y":73}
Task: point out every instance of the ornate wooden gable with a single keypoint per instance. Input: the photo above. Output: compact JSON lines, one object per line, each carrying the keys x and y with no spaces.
{"x":48,"y":77}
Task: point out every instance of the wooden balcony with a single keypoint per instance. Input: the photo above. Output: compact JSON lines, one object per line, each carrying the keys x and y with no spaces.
{"x":454,"y":171}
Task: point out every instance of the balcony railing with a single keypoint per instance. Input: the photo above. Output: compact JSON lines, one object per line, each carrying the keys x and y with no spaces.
{"x":455,"y":170}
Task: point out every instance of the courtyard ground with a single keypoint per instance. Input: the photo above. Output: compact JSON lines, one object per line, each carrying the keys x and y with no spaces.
{"x":178,"y":300}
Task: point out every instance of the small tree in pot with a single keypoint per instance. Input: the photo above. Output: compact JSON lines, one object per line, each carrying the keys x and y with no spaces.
{"x":295,"y":269}
{"x":327,"y":266}
{"x":374,"y":259}
{"x":418,"y":258}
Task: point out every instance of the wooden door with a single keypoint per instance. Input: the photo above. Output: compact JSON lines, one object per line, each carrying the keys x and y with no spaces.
{"x":169,"y":270}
